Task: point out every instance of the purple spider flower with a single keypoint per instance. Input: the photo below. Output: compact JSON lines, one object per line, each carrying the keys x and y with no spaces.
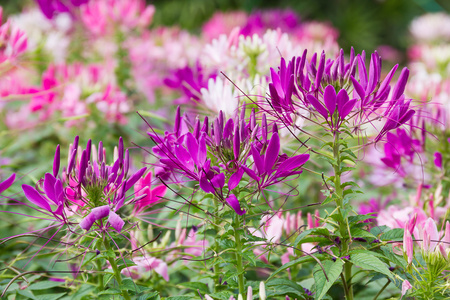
{"x":189,"y":81}
{"x":336,"y":91}
{"x":217,"y":155}
{"x":52,"y":7}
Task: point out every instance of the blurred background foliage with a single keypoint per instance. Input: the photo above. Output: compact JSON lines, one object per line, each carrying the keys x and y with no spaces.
{"x":363,"y":24}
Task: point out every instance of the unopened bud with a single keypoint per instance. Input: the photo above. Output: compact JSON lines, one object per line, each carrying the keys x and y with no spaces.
{"x":262,"y":291}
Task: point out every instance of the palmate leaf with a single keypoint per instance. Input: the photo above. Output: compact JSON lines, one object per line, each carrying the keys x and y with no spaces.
{"x":333,"y":271}
{"x":368,"y":261}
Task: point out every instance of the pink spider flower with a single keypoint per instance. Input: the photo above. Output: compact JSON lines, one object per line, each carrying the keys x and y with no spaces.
{"x":13,"y":41}
{"x":103,"y":16}
{"x":151,"y":196}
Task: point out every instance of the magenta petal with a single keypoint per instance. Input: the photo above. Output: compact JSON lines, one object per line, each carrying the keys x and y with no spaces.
{"x":438,"y":159}
{"x":257,"y":158}
{"x":7,"y":183}
{"x":273,"y":149}
{"x":100,"y":212}
{"x":293,"y":163}
{"x":235,"y":179}
{"x":87,"y":222}
{"x":252,"y":174}
{"x":347,"y":108}
{"x":49,"y":186}
{"x":202,"y":153}
{"x":236,"y":143}
{"x":133,"y":179}
{"x":205,"y":185}
{"x":317,"y":105}
{"x":234,"y":203}
{"x":358,"y":87}
{"x":192,"y":146}
{"x":36,"y":198}
{"x":56,"y":161}
{"x":115,"y":221}
{"x":341,"y":100}
{"x":401,"y":84}
{"x":218,"y":181}
{"x":329,"y":97}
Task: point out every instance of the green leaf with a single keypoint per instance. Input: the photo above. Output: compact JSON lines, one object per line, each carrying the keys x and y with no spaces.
{"x":313,"y":231}
{"x":180,"y":298}
{"x":50,"y":296}
{"x":290,"y":264}
{"x":83,"y":291}
{"x":110,"y":291}
{"x":379,"y":229}
{"x":361,"y":233}
{"x":44,"y":285}
{"x":128,"y":285}
{"x":26,"y":293}
{"x":284,"y":287}
{"x":392,"y":257}
{"x":359,"y":218}
{"x":202,"y":287}
{"x":333,"y":271}
{"x":223,"y":295}
{"x":370,"y":262}
{"x":395,"y":234}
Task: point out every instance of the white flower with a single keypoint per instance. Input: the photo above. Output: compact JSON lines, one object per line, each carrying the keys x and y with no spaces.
{"x":220,"y":96}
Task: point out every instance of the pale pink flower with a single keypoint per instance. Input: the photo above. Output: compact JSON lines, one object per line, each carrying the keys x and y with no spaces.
{"x":405,"y":287}
{"x":101,"y":17}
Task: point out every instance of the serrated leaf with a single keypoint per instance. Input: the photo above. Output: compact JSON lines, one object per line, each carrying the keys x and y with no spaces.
{"x":284,"y":287}
{"x":395,"y":234}
{"x":223,"y":295}
{"x":359,"y":218}
{"x":128,"y":285}
{"x":392,"y":257}
{"x":26,"y":293}
{"x":370,"y":262}
{"x":50,"y":296}
{"x":379,"y":229}
{"x":202,"y":287}
{"x":361,"y":233}
{"x":110,"y":291}
{"x":333,"y":271}
{"x":44,"y":285}
{"x":180,"y":298}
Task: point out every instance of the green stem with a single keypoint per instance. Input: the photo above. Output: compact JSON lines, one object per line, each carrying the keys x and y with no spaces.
{"x":382,"y":289}
{"x":101,"y":287}
{"x":239,"y":265}
{"x":343,"y":226}
{"x":117,"y":274}
{"x":217,"y":250}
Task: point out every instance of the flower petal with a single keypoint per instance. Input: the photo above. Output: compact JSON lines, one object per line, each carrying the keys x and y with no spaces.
{"x":234,"y":203}
{"x":7,"y":183}
{"x":115,"y":221}
{"x":36,"y":198}
{"x":329,"y":97}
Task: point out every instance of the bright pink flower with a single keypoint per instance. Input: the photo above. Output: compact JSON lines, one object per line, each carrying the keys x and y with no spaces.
{"x":143,"y":187}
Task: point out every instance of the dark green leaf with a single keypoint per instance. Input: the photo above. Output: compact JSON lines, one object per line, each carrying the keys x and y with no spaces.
{"x":370,"y":262}
{"x":333,"y":271}
{"x":202,"y":287}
